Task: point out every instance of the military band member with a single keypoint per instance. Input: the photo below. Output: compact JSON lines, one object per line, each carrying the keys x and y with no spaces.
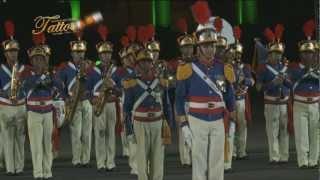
{"x":12,"y":100}
{"x":79,"y":79}
{"x":40,"y":87}
{"x":146,"y":108}
{"x":127,"y":55}
{"x":228,"y":59}
{"x":306,"y":95}
{"x":205,"y":84}
{"x":244,"y":81}
{"x":186,"y":44}
{"x":273,"y":81}
{"x":104,"y":91}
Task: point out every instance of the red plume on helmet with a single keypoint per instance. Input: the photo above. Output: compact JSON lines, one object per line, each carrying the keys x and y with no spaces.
{"x":39,"y":39}
{"x":201,"y":12}
{"x":9,"y":28}
{"x":309,"y":28}
{"x":218,"y":24}
{"x":269,"y":34}
{"x":124,"y":41}
{"x":278,"y":31}
{"x":237,"y":32}
{"x":150,"y":31}
{"x":142,"y":35}
{"x":182,"y":25}
{"x":131,"y":33}
{"x":103,"y":31}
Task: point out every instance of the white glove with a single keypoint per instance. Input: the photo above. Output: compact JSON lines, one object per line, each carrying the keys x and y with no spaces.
{"x":187,"y":134}
{"x":232,"y":128}
{"x":132,"y":139}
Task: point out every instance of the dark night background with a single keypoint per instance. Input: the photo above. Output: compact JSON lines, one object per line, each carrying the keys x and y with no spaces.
{"x":118,"y":14}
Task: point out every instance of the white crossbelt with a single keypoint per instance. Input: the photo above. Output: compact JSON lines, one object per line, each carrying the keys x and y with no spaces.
{"x":206,"y":105}
{"x":208,"y":81}
{"x":40,"y":103}
{"x":145,"y":94}
{"x":275,"y":72}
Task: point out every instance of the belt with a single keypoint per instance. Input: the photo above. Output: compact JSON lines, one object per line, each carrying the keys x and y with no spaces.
{"x":147,"y":116}
{"x":308,"y":100}
{"x":9,"y":102}
{"x":276,"y":99}
{"x":206,"y":105}
{"x":40,"y":103}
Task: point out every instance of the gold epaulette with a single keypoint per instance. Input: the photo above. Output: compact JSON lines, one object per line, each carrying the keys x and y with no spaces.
{"x":128,"y":83}
{"x":184,"y":71}
{"x":229,"y":73}
{"x":164,"y":82}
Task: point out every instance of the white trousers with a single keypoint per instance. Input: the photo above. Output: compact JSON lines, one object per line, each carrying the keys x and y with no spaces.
{"x":184,"y":150}
{"x":105,"y":138}
{"x":277,"y":132}
{"x":240,"y":137}
{"x":306,"y":127}
{"x":150,"y":150}
{"x":1,"y":144}
{"x":14,"y":135}
{"x":40,"y":135}
{"x":81,"y":131}
{"x":207,"y":149}
{"x":230,"y":140}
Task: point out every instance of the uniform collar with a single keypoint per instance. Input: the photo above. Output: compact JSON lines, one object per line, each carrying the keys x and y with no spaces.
{"x":206,"y":63}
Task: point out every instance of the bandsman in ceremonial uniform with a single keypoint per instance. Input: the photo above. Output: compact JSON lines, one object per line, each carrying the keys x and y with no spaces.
{"x":229,"y":59}
{"x":186,"y":44}
{"x":79,"y":79}
{"x":12,"y":103}
{"x":244,"y":81}
{"x":147,"y":115}
{"x":106,"y":97}
{"x":40,"y":87}
{"x":128,"y":55}
{"x":273,"y":81}
{"x":206,"y":85}
{"x":306,"y":95}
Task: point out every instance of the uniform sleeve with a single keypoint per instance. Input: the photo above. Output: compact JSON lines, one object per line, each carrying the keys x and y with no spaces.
{"x":30,"y":83}
{"x":94,"y":81}
{"x":261,"y":79}
{"x":58,"y":87}
{"x":67,"y":76}
{"x":116,"y":77}
{"x":182,"y":87}
{"x":229,"y":98}
{"x":248,"y":80}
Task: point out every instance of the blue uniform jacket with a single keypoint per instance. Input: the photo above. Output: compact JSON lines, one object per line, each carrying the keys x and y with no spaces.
{"x":67,"y":73}
{"x":5,"y":83}
{"x":192,"y":89}
{"x":40,"y":91}
{"x":158,"y":102}
{"x":303,"y":85}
